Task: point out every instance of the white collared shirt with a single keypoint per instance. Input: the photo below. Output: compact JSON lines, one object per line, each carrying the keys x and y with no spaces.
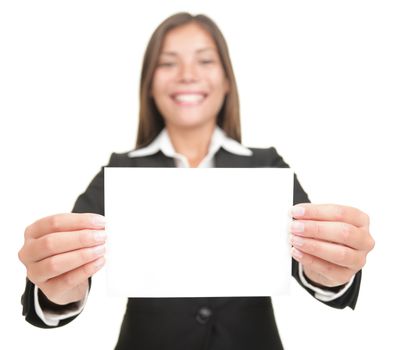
{"x":219,"y":139}
{"x":163,"y":143}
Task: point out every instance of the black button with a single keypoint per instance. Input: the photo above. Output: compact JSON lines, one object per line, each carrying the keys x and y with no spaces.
{"x":203,"y":315}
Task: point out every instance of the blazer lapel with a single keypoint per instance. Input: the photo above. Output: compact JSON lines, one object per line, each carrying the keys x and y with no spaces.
{"x":225,"y":159}
{"x":222,"y":159}
{"x":157,"y":160}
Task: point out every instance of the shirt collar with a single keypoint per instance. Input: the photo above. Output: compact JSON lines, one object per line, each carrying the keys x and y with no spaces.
{"x":219,"y":139}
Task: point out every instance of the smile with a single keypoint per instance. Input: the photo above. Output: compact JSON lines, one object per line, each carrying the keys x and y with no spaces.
{"x":189,"y":99}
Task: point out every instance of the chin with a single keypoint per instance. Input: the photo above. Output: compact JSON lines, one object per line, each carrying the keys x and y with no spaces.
{"x":189,"y":124}
{"x":187,"y":120}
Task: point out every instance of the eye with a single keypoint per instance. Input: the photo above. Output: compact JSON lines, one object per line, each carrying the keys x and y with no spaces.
{"x":166,"y":64}
{"x":206,"y":61}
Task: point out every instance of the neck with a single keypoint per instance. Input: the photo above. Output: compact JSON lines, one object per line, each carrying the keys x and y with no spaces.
{"x":193,"y":143}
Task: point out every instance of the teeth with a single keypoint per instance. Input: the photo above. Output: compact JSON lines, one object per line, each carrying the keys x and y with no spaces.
{"x":189,"y":97}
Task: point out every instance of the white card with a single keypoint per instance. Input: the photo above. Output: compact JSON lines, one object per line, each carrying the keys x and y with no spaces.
{"x":198,"y":232}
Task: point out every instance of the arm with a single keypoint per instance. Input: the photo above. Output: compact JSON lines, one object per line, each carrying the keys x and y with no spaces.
{"x":53,"y":237}
{"x":344,"y":291}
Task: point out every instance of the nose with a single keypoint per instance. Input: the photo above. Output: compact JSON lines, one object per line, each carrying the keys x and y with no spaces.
{"x":188,"y":73}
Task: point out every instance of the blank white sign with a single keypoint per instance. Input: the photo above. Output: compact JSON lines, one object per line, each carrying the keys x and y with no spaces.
{"x":193,"y":232}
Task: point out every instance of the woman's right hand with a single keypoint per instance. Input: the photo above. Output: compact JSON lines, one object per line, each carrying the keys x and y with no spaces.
{"x":61,"y":252}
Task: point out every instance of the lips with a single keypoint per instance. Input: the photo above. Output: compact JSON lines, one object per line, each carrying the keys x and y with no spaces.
{"x":190,"y":98}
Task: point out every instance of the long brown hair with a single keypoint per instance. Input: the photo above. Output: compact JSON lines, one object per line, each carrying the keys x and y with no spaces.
{"x":151,"y":121}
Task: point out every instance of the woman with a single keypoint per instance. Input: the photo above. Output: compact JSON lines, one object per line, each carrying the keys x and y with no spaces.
{"x":189,"y":117}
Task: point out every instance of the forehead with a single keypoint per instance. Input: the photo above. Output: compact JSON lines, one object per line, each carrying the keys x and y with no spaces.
{"x":190,"y":37}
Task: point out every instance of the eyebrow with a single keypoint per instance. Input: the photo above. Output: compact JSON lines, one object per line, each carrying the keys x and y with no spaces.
{"x":173,"y":53}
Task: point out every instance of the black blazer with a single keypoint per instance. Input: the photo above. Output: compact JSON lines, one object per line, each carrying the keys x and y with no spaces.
{"x":218,"y":323}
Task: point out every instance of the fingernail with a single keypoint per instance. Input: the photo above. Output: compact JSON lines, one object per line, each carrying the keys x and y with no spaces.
{"x":100,"y":236}
{"x":297,"y":227}
{"x":98,"y":221}
{"x":298,"y":211}
{"x":296,"y":254}
{"x":99,"y":250}
{"x":297,"y":241}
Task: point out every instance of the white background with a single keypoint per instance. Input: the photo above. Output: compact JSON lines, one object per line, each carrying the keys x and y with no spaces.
{"x":315,"y":81}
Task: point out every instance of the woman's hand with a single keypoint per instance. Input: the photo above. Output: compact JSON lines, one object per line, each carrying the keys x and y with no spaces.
{"x":330,"y":241}
{"x":61,"y":252}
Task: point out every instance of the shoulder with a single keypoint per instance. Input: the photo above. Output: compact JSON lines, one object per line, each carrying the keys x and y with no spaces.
{"x":119,"y":159}
{"x":267,"y":157}
{"x":269,"y":152}
{"x":129,"y":159}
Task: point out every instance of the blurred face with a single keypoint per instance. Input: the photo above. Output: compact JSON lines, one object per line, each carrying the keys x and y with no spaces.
{"x":189,"y":84}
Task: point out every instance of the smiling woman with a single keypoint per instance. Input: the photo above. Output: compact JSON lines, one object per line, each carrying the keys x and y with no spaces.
{"x":174,"y":64}
{"x":189,"y":117}
{"x":189,"y":87}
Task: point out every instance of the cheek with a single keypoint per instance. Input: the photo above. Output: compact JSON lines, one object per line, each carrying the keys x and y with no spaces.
{"x":219,"y":82}
{"x":155,"y":86}
{"x":158,"y":84}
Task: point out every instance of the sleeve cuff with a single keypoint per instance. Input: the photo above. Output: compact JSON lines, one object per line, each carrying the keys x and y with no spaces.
{"x":52,"y":318}
{"x":323,"y":294}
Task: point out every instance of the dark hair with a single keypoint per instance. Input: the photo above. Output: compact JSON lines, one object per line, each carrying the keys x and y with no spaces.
{"x":151,"y":121}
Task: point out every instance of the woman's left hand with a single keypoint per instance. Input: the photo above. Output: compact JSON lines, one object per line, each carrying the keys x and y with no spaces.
{"x":330,"y":241}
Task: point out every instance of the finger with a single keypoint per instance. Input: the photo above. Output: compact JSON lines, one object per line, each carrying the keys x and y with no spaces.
{"x":322,"y":271}
{"x":59,"y":285}
{"x":59,"y":264}
{"x":60,"y":242}
{"x":330,"y":212}
{"x":331,"y":252}
{"x":64,"y":222}
{"x":336,"y":232}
